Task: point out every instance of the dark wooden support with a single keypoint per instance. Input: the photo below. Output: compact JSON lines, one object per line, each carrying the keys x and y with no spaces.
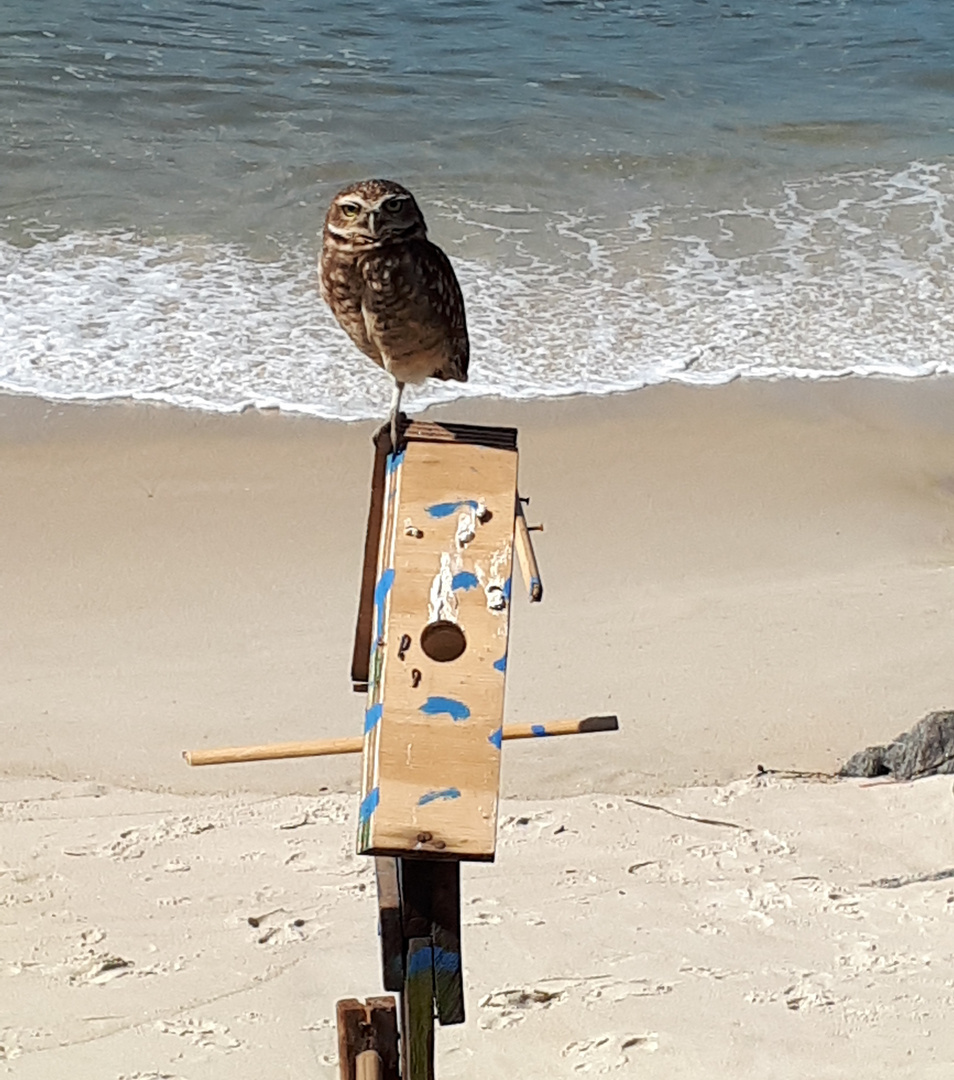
{"x":445,"y":934}
{"x":389,"y":923}
{"x":368,"y":1028}
{"x":364,"y":627}
{"x":430,"y":906}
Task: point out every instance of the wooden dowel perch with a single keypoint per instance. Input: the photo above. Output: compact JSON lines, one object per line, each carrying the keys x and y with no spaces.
{"x":234,"y":755}
{"x":368,"y":1065}
{"x":525,"y":556}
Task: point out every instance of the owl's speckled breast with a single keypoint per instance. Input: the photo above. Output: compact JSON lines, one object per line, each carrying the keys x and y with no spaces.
{"x":392,"y":291}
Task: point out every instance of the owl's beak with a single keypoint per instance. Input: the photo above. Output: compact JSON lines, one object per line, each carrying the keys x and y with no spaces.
{"x":372,"y":223}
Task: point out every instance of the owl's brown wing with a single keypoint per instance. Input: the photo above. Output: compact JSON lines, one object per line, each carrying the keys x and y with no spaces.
{"x":342,"y":288}
{"x":444,"y":303}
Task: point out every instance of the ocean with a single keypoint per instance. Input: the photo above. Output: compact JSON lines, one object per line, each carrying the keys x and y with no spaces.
{"x":631,"y":193}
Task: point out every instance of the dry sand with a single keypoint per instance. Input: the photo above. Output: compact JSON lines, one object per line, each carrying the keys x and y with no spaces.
{"x":751,"y":574}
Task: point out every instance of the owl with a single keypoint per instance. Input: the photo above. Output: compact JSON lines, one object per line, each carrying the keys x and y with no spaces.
{"x":393,"y":292}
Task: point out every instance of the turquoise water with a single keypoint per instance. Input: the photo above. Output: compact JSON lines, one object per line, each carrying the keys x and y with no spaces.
{"x":631,"y":193}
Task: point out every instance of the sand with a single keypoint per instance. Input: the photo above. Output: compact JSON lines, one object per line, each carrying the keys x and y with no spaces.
{"x":754,"y":574}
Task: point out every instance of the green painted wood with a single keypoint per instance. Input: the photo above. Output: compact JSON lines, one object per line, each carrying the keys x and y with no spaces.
{"x":430,"y":907}
{"x":445,"y":937}
{"x":417,"y":1012}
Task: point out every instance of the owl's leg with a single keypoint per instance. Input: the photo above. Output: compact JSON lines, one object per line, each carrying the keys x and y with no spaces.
{"x":396,"y":412}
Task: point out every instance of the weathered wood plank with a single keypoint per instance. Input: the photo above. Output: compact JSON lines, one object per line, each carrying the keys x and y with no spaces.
{"x":367,"y":1027}
{"x":383,"y":1020}
{"x":350,"y":1016}
{"x":502,"y":438}
{"x":389,"y":923}
{"x":364,"y":625}
{"x":430,"y":907}
{"x":445,"y":937}
{"x":434,"y":724}
{"x":417,"y":1013}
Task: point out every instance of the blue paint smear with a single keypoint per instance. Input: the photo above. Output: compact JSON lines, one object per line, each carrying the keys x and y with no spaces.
{"x":441,"y":961}
{"x":433,"y":796}
{"x":420,"y":962}
{"x":368,"y":805}
{"x":456,"y":710}
{"x":496,"y":738}
{"x":501,"y":664}
{"x":395,"y":461}
{"x":464,"y":580}
{"x":506,"y":589}
{"x":381,"y":591}
{"x":373,"y":716}
{"x":445,"y":961}
{"x":443,"y":510}
{"x":534,"y":583}
{"x":538,"y":729}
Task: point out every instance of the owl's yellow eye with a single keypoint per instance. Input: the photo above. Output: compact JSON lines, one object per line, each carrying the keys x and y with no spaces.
{"x":350,"y":209}
{"x":393,"y":205}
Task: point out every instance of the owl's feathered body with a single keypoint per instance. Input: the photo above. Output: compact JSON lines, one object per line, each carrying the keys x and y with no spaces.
{"x":393,"y":292}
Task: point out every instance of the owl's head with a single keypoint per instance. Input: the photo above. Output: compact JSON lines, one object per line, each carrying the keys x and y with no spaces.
{"x":371,"y":214}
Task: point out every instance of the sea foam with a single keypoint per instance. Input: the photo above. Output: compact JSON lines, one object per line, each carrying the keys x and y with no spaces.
{"x":846,"y":274}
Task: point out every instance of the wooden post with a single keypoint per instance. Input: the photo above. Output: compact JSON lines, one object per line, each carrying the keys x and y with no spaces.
{"x":430,"y":650}
{"x":367,"y":1033}
{"x":390,"y":923}
{"x":430,"y":908}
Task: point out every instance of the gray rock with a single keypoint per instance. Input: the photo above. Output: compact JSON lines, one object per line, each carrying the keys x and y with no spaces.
{"x":926,"y":750}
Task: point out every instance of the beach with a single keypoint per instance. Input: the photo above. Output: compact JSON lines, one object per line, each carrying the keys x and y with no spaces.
{"x":751,"y":575}
{"x":705,"y":252}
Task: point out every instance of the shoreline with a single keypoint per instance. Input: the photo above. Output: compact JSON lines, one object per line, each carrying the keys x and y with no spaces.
{"x":34,"y":403}
{"x":770,"y":559}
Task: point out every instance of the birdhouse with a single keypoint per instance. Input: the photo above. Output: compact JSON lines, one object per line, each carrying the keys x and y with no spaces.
{"x":430,"y":653}
{"x":434,"y":622}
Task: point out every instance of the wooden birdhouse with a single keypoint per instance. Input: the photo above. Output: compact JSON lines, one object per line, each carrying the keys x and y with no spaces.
{"x":434,"y":622}
{"x":431,"y":655}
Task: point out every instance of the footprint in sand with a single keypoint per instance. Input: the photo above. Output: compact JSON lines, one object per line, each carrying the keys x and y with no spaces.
{"x":99,"y":970}
{"x":153,"y":1074}
{"x":505,"y":1008}
{"x":607,"y":1053}
{"x":203,"y":1033}
{"x":810,"y":992}
{"x":528,"y":826}
{"x":616,"y":990}
{"x":483,"y":918}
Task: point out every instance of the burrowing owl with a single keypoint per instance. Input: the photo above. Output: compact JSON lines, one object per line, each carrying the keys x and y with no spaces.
{"x":393,"y":291}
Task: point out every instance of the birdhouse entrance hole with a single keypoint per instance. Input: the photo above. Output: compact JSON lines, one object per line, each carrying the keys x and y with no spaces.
{"x":443,"y":641}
